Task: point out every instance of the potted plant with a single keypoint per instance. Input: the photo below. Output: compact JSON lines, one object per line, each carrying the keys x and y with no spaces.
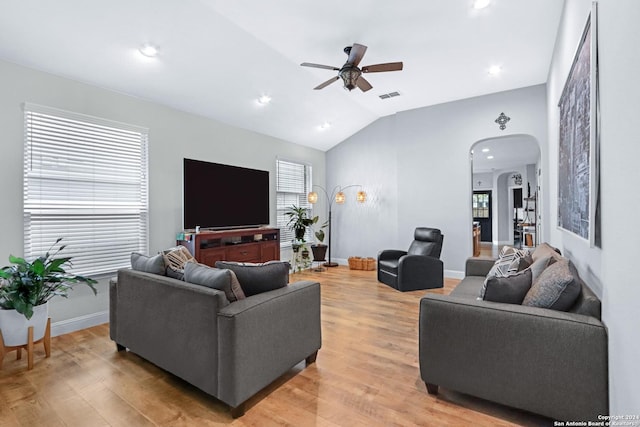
{"x":320,"y":249}
{"x":25,"y":289}
{"x":299,"y":222}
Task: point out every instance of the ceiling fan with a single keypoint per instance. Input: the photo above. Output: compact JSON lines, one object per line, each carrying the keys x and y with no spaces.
{"x":350,"y":73}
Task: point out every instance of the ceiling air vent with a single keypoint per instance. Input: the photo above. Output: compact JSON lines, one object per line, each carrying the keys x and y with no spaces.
{"x":389,"y":95}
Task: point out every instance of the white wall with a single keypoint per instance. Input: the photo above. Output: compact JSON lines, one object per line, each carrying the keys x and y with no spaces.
{"x":172,"y":136}
{"x":417,"y":162}
{"x":611,"y":271}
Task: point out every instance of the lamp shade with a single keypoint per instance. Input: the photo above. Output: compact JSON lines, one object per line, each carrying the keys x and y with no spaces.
{"x":361,"y":197}
{"x":340,"y":197}
{"x":312,"y":197}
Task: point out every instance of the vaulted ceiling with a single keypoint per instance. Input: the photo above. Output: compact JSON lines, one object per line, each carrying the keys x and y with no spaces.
{"x":217,"y":57}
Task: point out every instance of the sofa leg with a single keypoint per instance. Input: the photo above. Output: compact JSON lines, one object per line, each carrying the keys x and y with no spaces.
{"x":238,"y":411}
{"x":120,"y":347}
{"x":311,"y":358}
{"x":432,"y":388}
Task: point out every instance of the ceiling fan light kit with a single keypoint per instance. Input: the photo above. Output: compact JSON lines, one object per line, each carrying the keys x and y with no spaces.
{"x":350,"y":74}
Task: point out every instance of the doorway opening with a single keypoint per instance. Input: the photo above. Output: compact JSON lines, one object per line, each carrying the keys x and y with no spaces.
{"x":482,"y":214}
{"x":505,"y":176}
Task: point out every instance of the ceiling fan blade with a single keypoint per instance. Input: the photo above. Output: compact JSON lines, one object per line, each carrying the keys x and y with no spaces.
{"x":379,"y":68}
{"x":326,"y":67}
{"x":327,"y":83}
{"x":356,"y":54}
{"x":363,"y":84}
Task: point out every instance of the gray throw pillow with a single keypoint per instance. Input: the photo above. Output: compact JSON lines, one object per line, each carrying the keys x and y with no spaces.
{"x":511,"y":289}
{"x":154,"y":264}
{"x":555,"y":288}
{"x":257,"y":278}
{"x":200,"y":274}
{"x":508,"y":263}
{"x":539,"y":265}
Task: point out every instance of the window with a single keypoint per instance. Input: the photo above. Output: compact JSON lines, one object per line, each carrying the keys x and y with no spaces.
{"x":480,"y":205}
{"x":85,"y":180}
{"x":293,"y":186}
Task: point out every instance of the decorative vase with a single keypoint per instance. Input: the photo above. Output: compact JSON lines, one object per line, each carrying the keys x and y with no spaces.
{"x":15,"y":326}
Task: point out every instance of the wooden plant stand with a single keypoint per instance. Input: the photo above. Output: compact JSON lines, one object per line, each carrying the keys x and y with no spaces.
{"x":46,"y":340}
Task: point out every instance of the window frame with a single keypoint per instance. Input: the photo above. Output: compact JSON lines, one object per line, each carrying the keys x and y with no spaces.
{"x":85,"y":180}
{"x":284,"y":199}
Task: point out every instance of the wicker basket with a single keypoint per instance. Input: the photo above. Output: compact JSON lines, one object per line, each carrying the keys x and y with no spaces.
{"x":358,"y":263}
{"x":369,"y":264}
{"x":355,"y":263}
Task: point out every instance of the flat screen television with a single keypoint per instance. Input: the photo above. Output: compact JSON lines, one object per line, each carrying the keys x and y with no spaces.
{"x":222,"y":196}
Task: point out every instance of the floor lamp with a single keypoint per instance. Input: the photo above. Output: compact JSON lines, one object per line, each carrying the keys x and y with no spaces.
{"x":337,"y":195}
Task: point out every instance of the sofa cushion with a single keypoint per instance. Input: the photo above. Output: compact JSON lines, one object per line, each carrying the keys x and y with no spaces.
{"x":147,"y":264}
{"x":469,"y":287}
{"x":257,"y":278}
{"x":555,"y":288}
{"x":174,"y":260}
{"x":511,"y":289}
{"x":223,"y":280}
{"x":538,"y":266}
{"x":507,"y":263}
{"x":545,"y":249}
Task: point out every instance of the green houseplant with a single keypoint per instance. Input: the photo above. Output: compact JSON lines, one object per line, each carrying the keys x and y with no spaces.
{"x":299,"y":221}
{"x":30,"y":284}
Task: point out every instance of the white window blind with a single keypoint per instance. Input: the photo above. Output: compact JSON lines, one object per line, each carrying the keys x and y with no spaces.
{"x":85,"y":180}
{"x":293,"y":186}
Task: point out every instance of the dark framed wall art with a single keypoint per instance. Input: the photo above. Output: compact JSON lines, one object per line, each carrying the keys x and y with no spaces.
{"x":578,"y":157}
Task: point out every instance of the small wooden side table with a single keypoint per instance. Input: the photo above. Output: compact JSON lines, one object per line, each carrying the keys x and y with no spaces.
{"x":46,"y":340}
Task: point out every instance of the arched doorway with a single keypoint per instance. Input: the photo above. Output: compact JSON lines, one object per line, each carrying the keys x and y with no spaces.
{"x":505,"y":191}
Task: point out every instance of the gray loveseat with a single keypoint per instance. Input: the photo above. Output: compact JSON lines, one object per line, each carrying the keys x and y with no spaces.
{"x":229,"y":350}
{"x":549,"y":362}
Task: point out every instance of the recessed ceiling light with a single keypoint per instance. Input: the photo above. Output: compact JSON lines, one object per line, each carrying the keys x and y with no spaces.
{"x":494,"y":70}
{"x":264,"y":100}
{"x":324,"y":126}
{"x":481,"y":4}
{"x":148,"y":50}
{"x":489,"y":157}
{"x":485,"y":150}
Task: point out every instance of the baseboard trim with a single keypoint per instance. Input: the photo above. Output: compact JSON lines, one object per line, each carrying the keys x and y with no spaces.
{"x":454,"y":274}
{"x":77,"y":323}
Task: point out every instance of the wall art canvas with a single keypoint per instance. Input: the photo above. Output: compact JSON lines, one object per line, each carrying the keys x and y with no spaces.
{"x":577,"y":173}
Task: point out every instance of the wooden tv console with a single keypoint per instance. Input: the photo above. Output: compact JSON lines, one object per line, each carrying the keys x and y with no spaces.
{"x":243,"y":245}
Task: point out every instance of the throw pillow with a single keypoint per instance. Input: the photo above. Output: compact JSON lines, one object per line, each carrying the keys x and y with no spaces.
{"x":538,"y":266}
{"x":200,"y":274}
{"x":154,"y":264}
{"x":257,"y":278}
{"x":511,"y":289}
{"x":175,"y":259}
{"x":545,"y":249}
{"x":555,"y":288}
{"x":507,"y":263}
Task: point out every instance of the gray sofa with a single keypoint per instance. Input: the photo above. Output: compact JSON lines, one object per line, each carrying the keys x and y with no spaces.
{"x":229,"y":350}
{"x":549,"y":362}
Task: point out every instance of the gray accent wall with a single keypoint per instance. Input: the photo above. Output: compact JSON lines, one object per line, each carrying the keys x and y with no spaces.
{"x":417,"y":165}
{"x":611,"y":270}
{"x":173,"y":135}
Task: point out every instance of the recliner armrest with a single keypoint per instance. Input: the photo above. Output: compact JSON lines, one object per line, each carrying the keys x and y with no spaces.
{"x":390,"y":254}
{"x":420,"y":272}
{"x":545,"y":361}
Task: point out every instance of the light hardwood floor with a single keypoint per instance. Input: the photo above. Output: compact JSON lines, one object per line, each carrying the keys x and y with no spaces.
{"x":366,"y":374}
